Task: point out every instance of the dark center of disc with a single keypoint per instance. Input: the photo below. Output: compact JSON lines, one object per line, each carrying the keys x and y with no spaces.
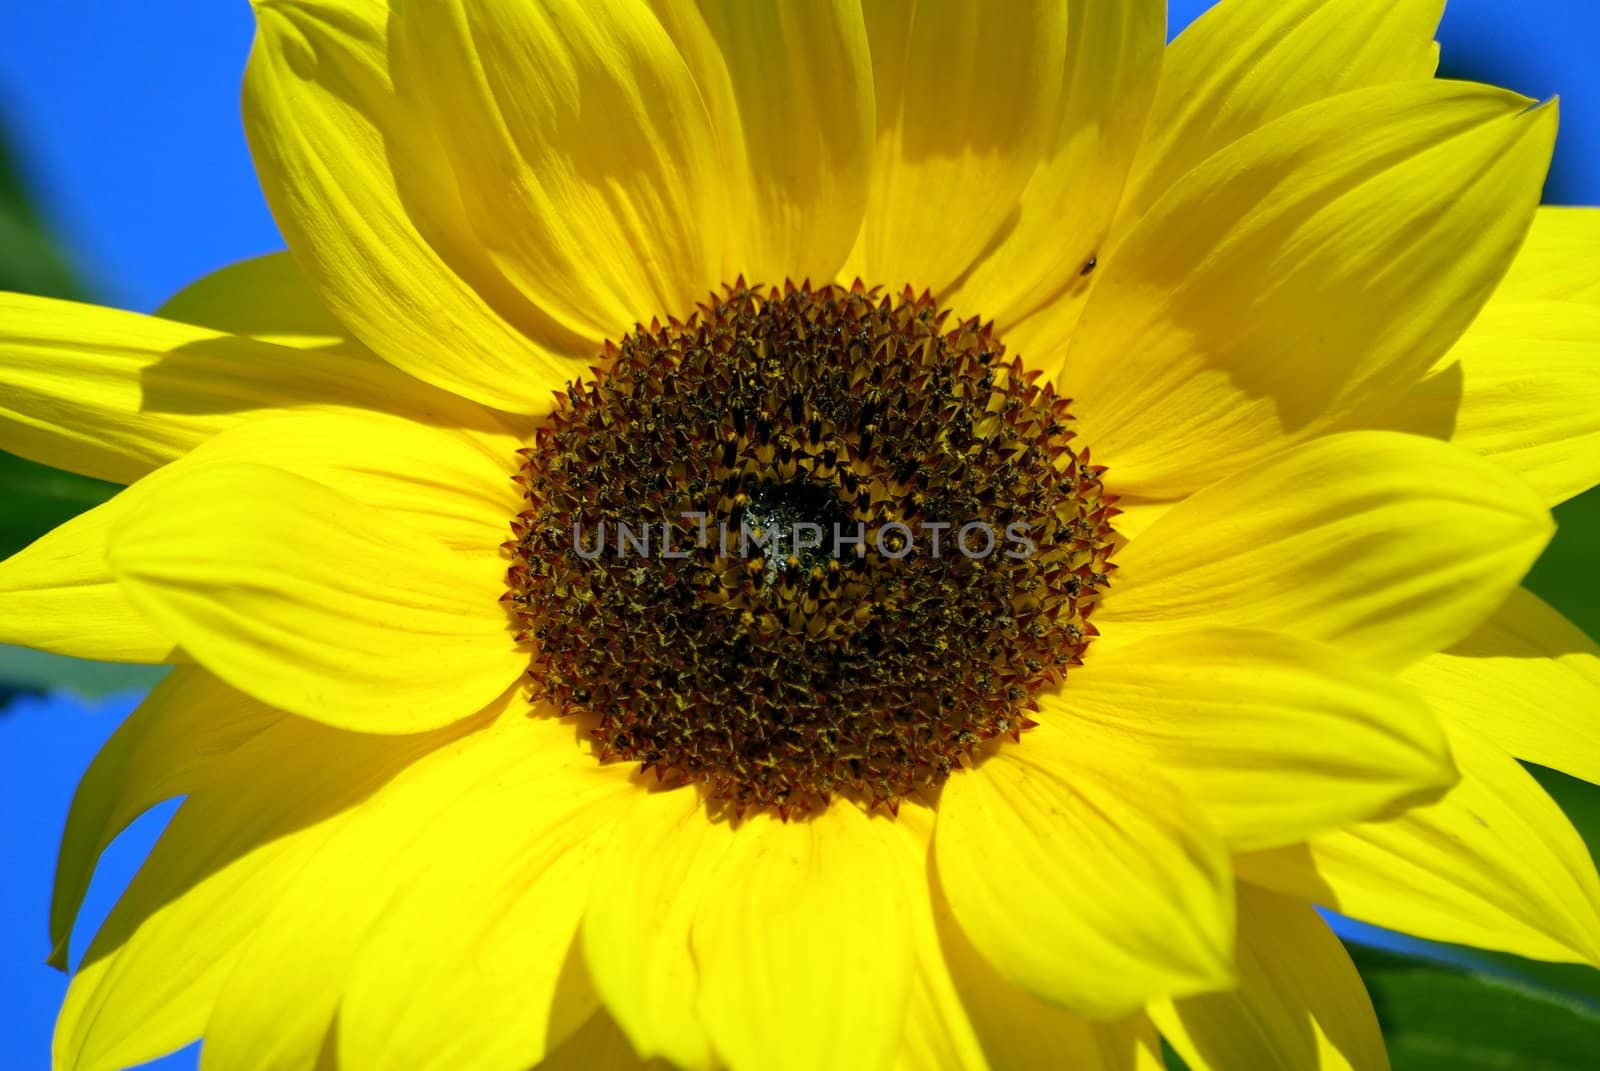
{"x":810,"y":542}
{"x":798,"y":517}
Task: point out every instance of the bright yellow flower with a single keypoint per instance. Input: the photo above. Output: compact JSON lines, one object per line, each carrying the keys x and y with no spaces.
{"x":1265,"y":264}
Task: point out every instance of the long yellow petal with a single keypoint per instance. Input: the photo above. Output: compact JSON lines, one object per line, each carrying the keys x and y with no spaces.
{"x":472,"y":962}
{"x":323,"y":914}
{"x":1493,"y":864}
{"x":789,"y":91}
{"x":152,"y":973}
{"x":1558,"y":261}
{"x":964,"y":1015}
{"x":364,"y":194}
{"x":1523,"y":389}
{"x":57,"y":594}
{"x":1522,"y":386}
{"x":1527,"y":679}
{"x":1390,"y":546}
{"x":267,"y":298}
{"x":1276,"y":738}
{"x":802,"y":944}
{"x":1300,"y":1005}
{"x":965,"y":106}
{"x":1244,"y":63}
{"x":1044,"y":847}
{"x":584,"y":157}
{"x":1034,"y":280}
{"x":187,"y":723}
{"x":1331,"y":257}
{"x":310,"y":601}
{"x":647,"y":889}
{"x":115,"y":394}
{"x":1134,"y":518}
{"x":941,"y":1033}
{"x":455,"y":487}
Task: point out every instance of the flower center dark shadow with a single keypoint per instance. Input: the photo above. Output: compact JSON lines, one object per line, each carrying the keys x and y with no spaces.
{"x":797,"y":520}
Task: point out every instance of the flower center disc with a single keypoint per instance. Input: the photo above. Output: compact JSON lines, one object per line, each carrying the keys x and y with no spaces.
{"x":810,"y":542}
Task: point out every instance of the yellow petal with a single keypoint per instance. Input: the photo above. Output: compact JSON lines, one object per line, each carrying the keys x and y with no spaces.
{"x":288,"y":979}
{"x":1133,"y":518}
{"x":1390,"y":546}
{"x":455,"y":487}
{"x":647,"y":888}
{"x":1034,"y":280}
{"x":1300,"y":1005}
{"x":365,"y":197}
{"x":1558,"y":261}
{"x":267,"y":298}
{"x":803,"y":946}
{"x":1276,"y":737}
{"x":964,"y":1014}
{"x":188,"y":722}
{"x":1523,"y":389}
{"x":149,"y":979}
{"x":115,"y":394}
{"x":965,"y":106}
{"x":941,"y":1033}
{"x":1493,"y":864}
{"x":57,"y":594}
{"x":1042,"y":848}
{"x":1326,"y":259}
{"x":1244,"y":63}
{"x":585,"y":160}
{"x":472,"y":963}
{"x":1527,"y":679}
{"x":308,"y":600}
{"x":789,"y":91}
{"x":1522,"y":386}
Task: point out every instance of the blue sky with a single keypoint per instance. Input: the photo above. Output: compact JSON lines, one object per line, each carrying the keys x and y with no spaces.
{"x":127,"y":119}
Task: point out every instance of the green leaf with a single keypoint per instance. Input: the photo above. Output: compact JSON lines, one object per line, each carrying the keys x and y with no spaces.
{"x":1565,"y":576}
{"x":1579,"y":799}
{"x":30,"y":261}
{"x":1445,"y":1018}
{"x":38,"y":498}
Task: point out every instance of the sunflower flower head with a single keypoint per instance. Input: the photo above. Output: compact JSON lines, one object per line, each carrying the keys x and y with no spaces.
{"x":836,"y":535}
{"x":797,"y":445}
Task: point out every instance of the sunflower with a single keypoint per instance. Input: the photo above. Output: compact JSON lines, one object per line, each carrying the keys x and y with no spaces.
{"x":1238,"y":377}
